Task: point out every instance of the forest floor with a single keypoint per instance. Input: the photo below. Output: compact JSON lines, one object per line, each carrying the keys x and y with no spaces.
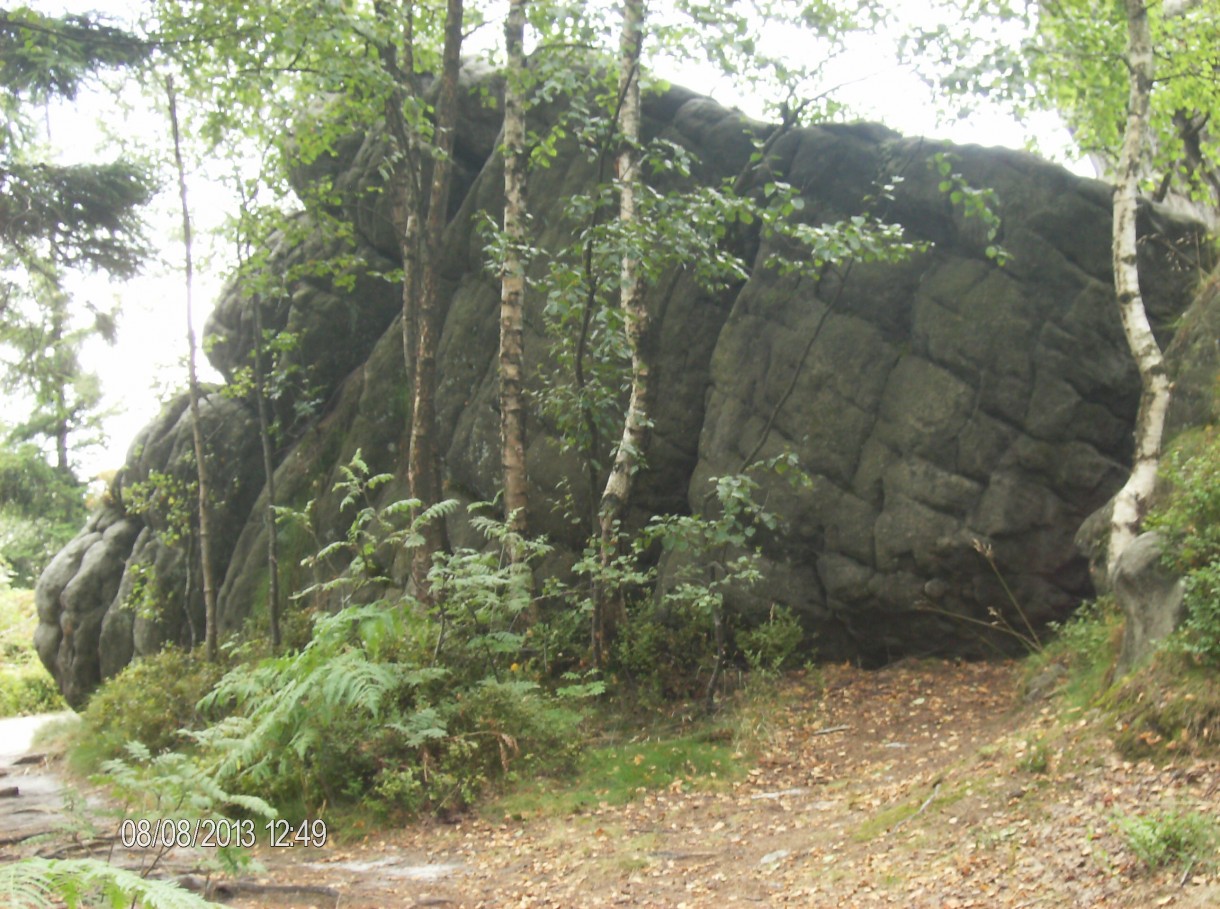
{"x":919,"y":785}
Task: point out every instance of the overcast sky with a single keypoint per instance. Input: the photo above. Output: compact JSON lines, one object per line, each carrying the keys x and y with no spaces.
{"x":148,"y":358}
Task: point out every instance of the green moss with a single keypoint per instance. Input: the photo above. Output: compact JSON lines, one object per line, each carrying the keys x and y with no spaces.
{"x":1170,"y":706}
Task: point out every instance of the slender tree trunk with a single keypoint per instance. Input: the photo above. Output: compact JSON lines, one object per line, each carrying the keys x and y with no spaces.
{"x":512,"y":285}
{"x":423,"y":463}
{"x":629,"y":456}
{"x":59,"y":395}
{"x":1131,"y":503}
{"x":264,"y":437}
{"x":405,"y":188}
{"x":205,"y":549}
{"x":62,"y":464}
{"x":264,"y":434}
{"x":405,"y":180}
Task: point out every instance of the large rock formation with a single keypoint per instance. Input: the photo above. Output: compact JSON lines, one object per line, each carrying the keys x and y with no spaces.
{"x":958,"y":419}
{"x":96,"y":599}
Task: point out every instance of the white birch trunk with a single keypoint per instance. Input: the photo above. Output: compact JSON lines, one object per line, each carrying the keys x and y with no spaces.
{"x":1131,"y":503}
{"x":628,"y":457}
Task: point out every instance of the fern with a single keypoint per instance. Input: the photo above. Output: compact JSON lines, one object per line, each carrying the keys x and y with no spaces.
{"x":36,"y":883}
{"x":172,"y":784}
{"x":421,"y":707}
{"x":286,"y":707}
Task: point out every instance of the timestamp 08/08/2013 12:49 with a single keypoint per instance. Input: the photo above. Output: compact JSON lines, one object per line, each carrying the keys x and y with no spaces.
{"x":220,"y":833}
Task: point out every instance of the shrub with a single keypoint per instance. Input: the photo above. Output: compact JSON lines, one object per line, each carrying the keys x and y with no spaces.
{"x":149,"y":702}
{"x":1191,"y":520}
{"x":405,"y":707}
{"x":25,"y":686}
{"x":359,"y":711}
{"x":714,"y":555}
{"x":28,"y":690}
{"x":1171,"y":837}
{"x":769,"y":647}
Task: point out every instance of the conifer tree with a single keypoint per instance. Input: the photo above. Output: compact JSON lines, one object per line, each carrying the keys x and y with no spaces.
{"x":57,"y":218}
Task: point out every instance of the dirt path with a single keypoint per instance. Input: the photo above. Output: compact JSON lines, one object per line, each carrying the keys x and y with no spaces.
{"x":903,"y":787}
{"x":31,"y":794}
{"x":921,"y":785}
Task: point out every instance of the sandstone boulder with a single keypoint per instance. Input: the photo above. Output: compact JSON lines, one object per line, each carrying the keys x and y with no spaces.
{"x":958,"y":419}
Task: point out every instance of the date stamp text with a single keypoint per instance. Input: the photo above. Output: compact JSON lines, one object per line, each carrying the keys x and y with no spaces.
{"x":219,"y":833}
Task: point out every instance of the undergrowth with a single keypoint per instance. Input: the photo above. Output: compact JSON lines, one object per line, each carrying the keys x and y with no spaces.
{"x":1190,"y":518}
{"x":619,"y":773}
{"x":35,"y":883}
{"x":1172,"y":837}
{"x":392,"y":707}
{"x":153,"y":701}
{"x":26,"y":688}
{"x":1080,"y":658}
{"x":1171,"y":704}
{"x":1169,"y":707}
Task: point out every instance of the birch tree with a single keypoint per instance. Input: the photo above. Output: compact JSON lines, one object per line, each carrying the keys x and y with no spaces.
{"x":420,"y":218}
{"x":1137,"y":84}
{"x":637,"y":319}
{"x":269,"y":62}
{"x":1131,"y":503}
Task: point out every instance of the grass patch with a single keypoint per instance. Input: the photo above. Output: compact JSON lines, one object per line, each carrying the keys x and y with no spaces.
{"x":682,"y":752}
{"x":1172,"y":838}
{"x":26,"y":688}
{"x":887,"y":819}
{"x":1080,"y":658}
{"x":617,"y":774}
{"x":1034,"y":757}
{"x":1168,"y":706}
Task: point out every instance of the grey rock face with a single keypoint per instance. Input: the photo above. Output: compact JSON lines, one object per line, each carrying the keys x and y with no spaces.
{"x":73,"y":596}
{"x":958,"y":419}
{"x":89,"y":627}
{"x":1193,"y":358}
{"x":1150,"y":596}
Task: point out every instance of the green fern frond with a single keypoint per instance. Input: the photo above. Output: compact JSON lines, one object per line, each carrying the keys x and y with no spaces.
{"x":436,"y":512}
{"x":402,"y":506}
{"x":26,"y":884}
{"x":424,"y":725}
{"x":37,"y":883}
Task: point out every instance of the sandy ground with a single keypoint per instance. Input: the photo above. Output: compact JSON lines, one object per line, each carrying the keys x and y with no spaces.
{"x":921,"y":785}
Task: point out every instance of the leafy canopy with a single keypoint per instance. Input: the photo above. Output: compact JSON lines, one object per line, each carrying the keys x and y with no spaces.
{"x":1068,"y":56}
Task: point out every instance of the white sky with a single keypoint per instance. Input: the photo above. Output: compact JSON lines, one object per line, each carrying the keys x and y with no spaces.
{"x":150,"y":355}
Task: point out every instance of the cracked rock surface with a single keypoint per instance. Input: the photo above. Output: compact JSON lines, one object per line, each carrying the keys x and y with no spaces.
{"x":958,"y":420}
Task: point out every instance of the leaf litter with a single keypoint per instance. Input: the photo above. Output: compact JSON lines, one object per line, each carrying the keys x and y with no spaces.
{"x":925,"y":784}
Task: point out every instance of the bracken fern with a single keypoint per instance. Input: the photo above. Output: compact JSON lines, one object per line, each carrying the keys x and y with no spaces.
{"x":35,"y":883}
